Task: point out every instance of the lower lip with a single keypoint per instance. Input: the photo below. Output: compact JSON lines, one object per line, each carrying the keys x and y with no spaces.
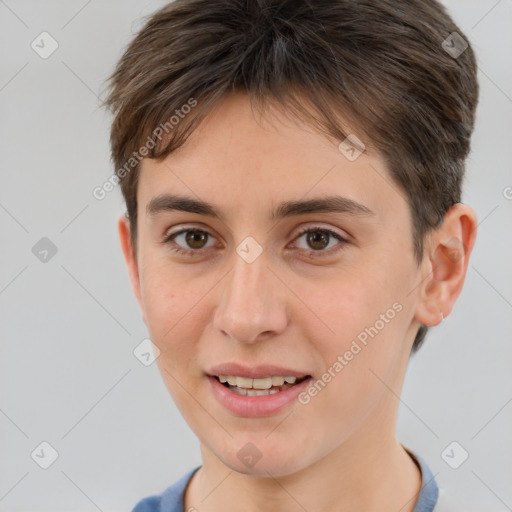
{"x":256,"y":406}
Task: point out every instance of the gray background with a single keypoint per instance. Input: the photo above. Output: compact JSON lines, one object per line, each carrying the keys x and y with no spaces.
{"x":69,"y":326}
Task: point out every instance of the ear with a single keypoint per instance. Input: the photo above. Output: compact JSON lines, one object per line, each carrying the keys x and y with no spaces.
{"x":445,"y":264}
{"x":123,"y":227}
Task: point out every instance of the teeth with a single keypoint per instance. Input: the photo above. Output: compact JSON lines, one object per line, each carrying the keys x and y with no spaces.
{"x":256,"y":384}
{"x":242,"y":382}
{"x":254,"y":392}
{"x":265,"y":383}
{"x":261,"y":392}
{"x":277,"y":381}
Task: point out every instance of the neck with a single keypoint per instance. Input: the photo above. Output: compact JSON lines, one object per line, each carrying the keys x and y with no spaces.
{"x":352,"y":477}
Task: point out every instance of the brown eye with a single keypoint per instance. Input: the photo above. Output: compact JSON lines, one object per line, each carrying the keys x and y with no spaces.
{"x":196,"y":239}
{"x":319,"y":239}
{"x":188,"y":241}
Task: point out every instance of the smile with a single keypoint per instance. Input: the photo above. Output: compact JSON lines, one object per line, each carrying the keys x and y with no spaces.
{"x":248,"y":397}
{"x":258,"y":387}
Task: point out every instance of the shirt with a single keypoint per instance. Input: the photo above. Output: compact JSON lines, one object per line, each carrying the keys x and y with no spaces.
{"x":171,"y":500}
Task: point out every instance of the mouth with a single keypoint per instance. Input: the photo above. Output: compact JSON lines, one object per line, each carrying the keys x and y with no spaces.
{"x":258,"y":387}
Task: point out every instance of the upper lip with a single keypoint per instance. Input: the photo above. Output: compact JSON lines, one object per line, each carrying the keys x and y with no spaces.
{"x":254,"y":372}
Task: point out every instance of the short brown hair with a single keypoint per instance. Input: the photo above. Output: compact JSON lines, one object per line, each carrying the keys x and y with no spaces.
{"x":381,"y":63}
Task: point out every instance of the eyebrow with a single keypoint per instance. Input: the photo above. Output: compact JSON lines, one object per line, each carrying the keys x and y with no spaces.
{"x":330,"y":204}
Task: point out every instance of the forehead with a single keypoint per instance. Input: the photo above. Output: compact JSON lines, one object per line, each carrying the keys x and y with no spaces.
{"x":242,"y":161}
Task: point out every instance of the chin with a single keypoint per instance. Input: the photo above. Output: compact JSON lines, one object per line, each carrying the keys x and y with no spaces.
{"x":273,"y":466}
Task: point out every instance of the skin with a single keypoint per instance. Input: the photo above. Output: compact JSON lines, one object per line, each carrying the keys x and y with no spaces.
{"x":292,"y":308}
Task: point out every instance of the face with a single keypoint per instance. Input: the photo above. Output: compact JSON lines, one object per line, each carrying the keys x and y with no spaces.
{"x":275,"y":288}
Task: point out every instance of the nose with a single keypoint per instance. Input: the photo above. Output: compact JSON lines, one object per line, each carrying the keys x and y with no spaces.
{"x":253,"y":302}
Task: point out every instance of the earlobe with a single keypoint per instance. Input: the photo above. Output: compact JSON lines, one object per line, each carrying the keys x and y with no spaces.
{"x":123,"y":226}
{"x":445,"y":269}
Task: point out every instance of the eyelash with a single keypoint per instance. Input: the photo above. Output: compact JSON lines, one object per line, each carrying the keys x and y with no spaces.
{"x":169,"y":240}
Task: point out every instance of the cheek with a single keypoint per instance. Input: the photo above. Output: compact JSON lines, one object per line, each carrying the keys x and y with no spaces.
{"x":357,"y":365}
{"x":361,"y":335}
{"x":175,"y":320}
{"x":172,"y":308}
{"x":166,"y":293}
{"x":343,"y":307}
